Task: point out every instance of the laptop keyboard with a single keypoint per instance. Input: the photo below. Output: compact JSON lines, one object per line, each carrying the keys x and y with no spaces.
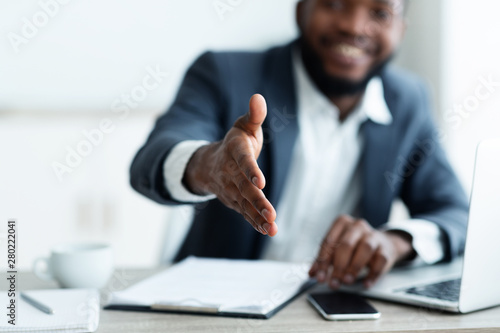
{"x":446,"y":290}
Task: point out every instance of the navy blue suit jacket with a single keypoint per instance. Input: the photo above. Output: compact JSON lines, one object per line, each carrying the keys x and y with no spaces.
{"x":402,"y":160}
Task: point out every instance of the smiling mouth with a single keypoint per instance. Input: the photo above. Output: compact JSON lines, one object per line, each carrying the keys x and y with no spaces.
{"x":349,"y":51}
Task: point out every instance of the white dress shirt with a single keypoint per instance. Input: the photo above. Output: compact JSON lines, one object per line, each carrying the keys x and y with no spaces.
{"x":324,"y":179}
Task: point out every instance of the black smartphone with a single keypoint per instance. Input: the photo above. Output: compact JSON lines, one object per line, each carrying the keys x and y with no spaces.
{"x":342,"y":306}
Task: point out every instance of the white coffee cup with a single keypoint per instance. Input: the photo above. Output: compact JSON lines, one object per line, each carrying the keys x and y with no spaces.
{"x":88,"y":265}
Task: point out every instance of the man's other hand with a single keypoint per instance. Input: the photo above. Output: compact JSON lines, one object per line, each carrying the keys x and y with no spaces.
{"x":351,"y":245}
{"x":229,"y":170}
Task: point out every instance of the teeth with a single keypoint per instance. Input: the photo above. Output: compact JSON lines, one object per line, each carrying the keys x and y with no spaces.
{"x":349,"y":50}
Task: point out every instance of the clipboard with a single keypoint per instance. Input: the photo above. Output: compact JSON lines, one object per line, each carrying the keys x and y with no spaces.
{"x":291,"y":281}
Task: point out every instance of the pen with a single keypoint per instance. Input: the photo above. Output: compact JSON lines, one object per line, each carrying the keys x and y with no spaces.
{"x":37,"y":304}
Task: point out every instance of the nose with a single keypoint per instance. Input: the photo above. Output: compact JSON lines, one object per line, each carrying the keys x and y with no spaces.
{"x":354,"y":22}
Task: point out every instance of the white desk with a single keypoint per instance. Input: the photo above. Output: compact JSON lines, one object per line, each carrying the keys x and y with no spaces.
{"x":298,"y":316}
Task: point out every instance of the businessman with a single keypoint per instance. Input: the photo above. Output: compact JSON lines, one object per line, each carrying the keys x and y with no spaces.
{"x":332,"y":138}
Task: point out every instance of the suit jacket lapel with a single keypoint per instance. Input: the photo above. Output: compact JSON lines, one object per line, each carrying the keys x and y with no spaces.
{"x":377,"y":164}
{"x":281,"y":125}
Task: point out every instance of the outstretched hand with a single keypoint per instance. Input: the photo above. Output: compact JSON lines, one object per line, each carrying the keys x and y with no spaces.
{"x":229,"y":170}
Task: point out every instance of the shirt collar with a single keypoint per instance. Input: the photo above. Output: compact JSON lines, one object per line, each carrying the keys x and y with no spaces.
{"x":372,"y":105}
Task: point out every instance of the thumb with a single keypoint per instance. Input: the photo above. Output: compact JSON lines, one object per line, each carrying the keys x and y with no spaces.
{"x":257,"y":112}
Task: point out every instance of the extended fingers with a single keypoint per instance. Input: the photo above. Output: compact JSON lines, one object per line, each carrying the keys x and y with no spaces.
{"x":236,"y":177}
{"x":234,"y":200}
{"x":256,"y":198}
{"x":251,"y":202}
{"x":247,"y":164}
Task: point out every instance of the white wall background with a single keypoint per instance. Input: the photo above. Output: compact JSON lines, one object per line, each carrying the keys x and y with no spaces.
{"x":473,"y":54}
{"x":92,"y":51}
{"x":65,"y":78}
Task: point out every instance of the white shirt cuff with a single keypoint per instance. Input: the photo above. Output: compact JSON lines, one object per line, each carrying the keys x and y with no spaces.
{"x":426,"y":238}
{"x":174,"y":167}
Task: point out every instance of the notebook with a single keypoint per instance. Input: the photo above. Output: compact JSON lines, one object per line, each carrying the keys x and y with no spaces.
{"x":75,"y":310}
{"x":224,"y":287}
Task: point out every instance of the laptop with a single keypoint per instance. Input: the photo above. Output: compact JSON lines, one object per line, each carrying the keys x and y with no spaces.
{"x":469,"y":283}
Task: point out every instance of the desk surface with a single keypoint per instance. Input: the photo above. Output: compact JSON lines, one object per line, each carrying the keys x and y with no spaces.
{"x":298,"y":316}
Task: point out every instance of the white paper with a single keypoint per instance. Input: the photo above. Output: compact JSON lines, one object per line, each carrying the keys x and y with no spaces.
{"x":245,"y":286}
{"x":75,"y":310}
